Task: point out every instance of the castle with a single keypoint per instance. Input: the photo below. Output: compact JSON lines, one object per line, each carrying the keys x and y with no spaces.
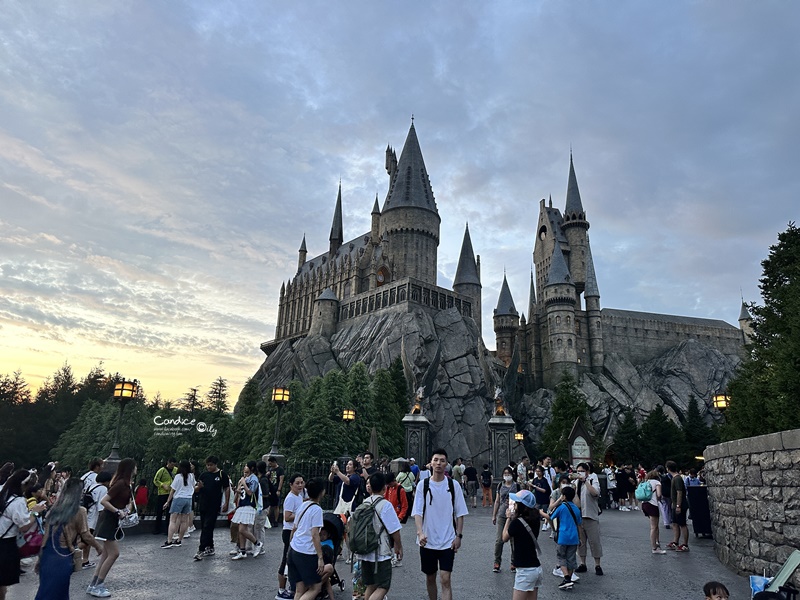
{"x":393,"y":268}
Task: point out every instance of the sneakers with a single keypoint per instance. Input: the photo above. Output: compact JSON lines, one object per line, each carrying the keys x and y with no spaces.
{"x":191,"y":529}
{"x":575,"y":578}
{"x":496,"y":568}
{"x":672,"y":546}
{"x":598,"y":570}
{"x":513,"y":569}
{"x":545,"y":526}
{"x":659,"y":550}
{"x":209,"y":552}
{"x":234,"y":552}
{"x":199,"y":556}
{"x":624,"y":509}
{"x":100,"y":591}
{"x":285,"y":595}
{"x":581,"y":569}
{"x":167,"y":544}
{"x":239,"y":556}
{"x":88,"y":565}
{"x":89,"y":589}
{"x":565,"y":584}
{"x":257,"y":549}
{"x":682,"y":548}
{"x":557,"y":572}
{"x":187,"y":535}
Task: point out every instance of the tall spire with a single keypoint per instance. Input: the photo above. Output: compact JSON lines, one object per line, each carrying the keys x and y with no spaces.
{"x":303,"y":245}
{"x":467,"y":271}
{"x":505,"y":303}
{"x":532,"y":298}
{"x":337,"y":233}
{"x":744,"y":314}
{"x":591,"y":279}
{"x":411,"y":186}
{"x":375,"y":208}
{"x":574,"y":204}
{"x":559,"y":273}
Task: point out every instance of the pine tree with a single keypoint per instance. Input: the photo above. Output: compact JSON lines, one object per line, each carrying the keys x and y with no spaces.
{"x":569,"y":405}
{"x":698,"y":435}
{"x":391,"y":435}
{"x":626,"y":445}
{"x":217,"y":396}
{"x":767,"y":385}
{"x":661,"y":440}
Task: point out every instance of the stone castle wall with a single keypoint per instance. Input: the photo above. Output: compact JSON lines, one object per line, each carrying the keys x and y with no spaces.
{"x":641,"y":338}
{"x":754,"y":494}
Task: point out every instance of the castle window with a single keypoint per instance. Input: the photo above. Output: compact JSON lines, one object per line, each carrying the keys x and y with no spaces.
{"x":347,"y":290}
{"x":569,"y":320}
{"x":559,"y":342}
{"x":558,"y":320}
{"x":569,"y":343}
{"x":502,"y":345}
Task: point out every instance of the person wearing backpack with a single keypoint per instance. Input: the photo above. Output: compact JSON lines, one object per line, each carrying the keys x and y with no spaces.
{"x":568,"y":516}
{"x":439,"y":510}
{"x":650,"y":508}
{"x":91,"y":502}
{"x":370,"y":528}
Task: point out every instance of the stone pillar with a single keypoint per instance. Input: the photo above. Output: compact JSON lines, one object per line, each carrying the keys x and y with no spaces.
{"x":501,"y":437}
{"x":418,"y":429}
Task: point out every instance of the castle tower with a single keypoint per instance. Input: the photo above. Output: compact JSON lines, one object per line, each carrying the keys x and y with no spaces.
{"x":559,"y":314}
{"x":409,"y":219}
{"x":324,"y":315}
{"x":534,"y":351}
{"x":337,"y":231}
{"x":575,"y":228}
{"x":592,"y":296}
{"x":467,"y":281}
{"x":746,"y":324}
{"x":302,"y":253}
{"x":506,"y":324}
{"x":374,"y":240}
{"x":548,"y":234}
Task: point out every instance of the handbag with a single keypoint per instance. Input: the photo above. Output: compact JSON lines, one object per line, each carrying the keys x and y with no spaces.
{"x":130,"y":520}
{"x":30,"y":542}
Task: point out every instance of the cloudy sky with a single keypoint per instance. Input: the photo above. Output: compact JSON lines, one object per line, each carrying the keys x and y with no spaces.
{"x":161,"y":161}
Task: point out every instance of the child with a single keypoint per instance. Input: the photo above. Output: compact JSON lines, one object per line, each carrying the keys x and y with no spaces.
{"x":140,"y":496}
{"x":522,"y":526}
{"x":569,"y":517}
{"x":327,"y":558}
{"x":714,"y":590}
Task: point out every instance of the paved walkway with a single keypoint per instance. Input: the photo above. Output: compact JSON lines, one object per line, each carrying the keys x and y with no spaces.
{"x":144,"y":571}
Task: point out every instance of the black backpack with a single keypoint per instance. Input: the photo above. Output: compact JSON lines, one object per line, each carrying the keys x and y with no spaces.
{"x":87,"y":501}
{"x":426,"y":491}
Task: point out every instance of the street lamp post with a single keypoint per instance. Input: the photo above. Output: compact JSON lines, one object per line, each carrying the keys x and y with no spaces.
{"x":124,"y":392}
{"x":348,"y":416}
{"x":280,"y":398}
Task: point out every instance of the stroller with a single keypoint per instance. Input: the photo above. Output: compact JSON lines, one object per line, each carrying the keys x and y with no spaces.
{"x":333,"y":525}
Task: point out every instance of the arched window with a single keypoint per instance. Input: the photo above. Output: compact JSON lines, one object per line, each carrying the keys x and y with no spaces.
{"x":569,"y":343}
{"x":569,"y":320}
{"x":558,"y":320}
{"x":559,"y":342}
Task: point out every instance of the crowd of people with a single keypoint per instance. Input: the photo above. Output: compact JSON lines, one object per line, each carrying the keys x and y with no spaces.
{"x":73,"y":515}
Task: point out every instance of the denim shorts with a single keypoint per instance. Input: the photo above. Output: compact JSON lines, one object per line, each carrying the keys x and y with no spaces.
{"x":181,"y":506}
{"x":528,"y":579}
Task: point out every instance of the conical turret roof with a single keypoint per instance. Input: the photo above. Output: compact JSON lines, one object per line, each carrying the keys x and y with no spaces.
{"x":337,"y":231}
{"x":574,"y":204}
{"x":505,"y":304}
{"x":532,"y":298}
{"x":559,"y":273}
{"x":744,"y":314}
{"x":303,"y":245}
{"x":591,"y":291}
{"x":410,"y":185}
{"x":467,"y":271}
{"x":327,"y":294}
{"x":375,"y":208}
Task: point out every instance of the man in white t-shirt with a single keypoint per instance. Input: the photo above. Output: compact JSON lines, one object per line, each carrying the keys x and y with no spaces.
{"x":89,"y":478}
{"x":376,"y":567}
{"x":305,"y":550}
{"x":98,"y":490}
{"x":439,"y":510}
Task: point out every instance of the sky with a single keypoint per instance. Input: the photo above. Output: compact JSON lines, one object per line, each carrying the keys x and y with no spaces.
{"x":160,"y":162}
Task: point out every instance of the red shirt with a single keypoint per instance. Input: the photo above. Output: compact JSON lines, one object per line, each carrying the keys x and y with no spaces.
{"x":397,"y":496}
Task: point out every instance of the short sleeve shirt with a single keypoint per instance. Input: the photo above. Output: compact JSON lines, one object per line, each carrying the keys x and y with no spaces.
{"x":181,"y":490}
{"x":390,"y":521}
{"x":439,"y":512}
{"x":292,"y":504}
{"x":119,"y":494}
{"x":524,"y":549}
{"x":308,"y":517}
{"x":14,"y":516}
{"x":567,"y":528}
{"x":678,"y":486}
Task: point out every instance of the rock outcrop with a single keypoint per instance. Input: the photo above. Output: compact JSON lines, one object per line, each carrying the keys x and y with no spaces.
{"x":443,"y":353}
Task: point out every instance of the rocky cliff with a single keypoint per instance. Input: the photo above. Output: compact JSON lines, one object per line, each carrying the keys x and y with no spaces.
{"x":444,"y":355}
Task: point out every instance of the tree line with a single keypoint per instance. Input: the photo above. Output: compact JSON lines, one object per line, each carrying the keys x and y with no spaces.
{"x":71,"y":420}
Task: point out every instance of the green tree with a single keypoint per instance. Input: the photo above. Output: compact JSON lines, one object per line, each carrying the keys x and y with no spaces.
{"x":767,"y":385}
{"x":391,"y":435}
{"x":698,"y":435}
{"x":627,"y":440}
{"x":217,"y":396}
{"x":661,"y":440}
{"x":569,"y":405}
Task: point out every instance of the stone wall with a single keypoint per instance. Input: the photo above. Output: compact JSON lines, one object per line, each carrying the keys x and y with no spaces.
{"x":754,"y":493}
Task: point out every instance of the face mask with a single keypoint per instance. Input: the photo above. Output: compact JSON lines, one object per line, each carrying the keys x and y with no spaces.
{"x":507,"y":477}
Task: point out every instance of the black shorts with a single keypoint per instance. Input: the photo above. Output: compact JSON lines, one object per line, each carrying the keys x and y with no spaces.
{"x":9,"y":561}
{"x":302,"y":567}
{"x":679,"y":518}
{"x":273,"y":500}
{"x":436,"y":560}
{"x":378,"y":574}
{"x":286,"y":535}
